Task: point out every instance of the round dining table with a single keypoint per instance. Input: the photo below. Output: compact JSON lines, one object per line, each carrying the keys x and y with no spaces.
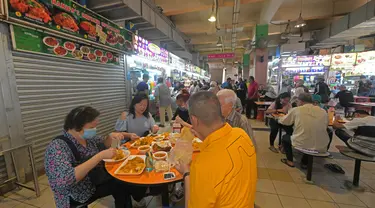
{"x":146,"y":179}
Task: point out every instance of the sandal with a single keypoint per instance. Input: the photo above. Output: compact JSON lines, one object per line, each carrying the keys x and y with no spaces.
{"x":334,"y":168}
{"x":273,"y":149}
{"x":285,"y":161}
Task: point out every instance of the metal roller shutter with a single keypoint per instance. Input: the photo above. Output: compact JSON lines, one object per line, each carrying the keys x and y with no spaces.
{"x":49,"y":87}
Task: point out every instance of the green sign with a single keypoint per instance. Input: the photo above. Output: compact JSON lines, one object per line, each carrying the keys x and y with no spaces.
{"x":25,"y":39}
{"x":71,"y":18}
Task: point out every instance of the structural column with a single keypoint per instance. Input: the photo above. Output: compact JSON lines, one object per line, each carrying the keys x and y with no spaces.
{"x":261,"y":65}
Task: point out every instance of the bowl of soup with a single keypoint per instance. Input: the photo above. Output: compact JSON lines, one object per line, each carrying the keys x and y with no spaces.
{"x":161,"y":155}
{"x":143,"y":149}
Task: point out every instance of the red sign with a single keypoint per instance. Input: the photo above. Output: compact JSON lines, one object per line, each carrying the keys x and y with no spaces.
{"x":220,"y":56}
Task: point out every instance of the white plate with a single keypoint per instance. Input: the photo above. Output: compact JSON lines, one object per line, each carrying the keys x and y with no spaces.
{"x":126,"y":152}
{"x":126,"y":161}
{"x":134,"y":146}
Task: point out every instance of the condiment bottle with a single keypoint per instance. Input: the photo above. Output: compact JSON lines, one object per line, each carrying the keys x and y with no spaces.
{"x":149,"y":162}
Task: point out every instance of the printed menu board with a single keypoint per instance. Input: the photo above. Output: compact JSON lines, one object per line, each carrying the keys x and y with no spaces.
{"x":366,"y":58}
{"x":25,"y":39}
{"x":71,"y":18}
{"x":343,"y":61}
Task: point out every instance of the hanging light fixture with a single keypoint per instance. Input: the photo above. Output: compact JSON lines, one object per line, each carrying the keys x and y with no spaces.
{"x":219,"y":43}
{"x":300,"y":21}
{"x":213,"y":15}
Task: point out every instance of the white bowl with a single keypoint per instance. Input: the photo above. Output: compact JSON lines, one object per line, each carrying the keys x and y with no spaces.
{"x":163,"y":157}
{"x":143,"y":149}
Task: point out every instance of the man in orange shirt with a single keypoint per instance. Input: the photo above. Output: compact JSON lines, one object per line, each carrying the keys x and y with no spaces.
{"x":224,"y":174}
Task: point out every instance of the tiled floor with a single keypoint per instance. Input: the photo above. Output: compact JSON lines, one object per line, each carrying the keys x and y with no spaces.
{"x":278,"y":185}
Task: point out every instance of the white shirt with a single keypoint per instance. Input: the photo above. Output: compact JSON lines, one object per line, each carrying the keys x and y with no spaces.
{"x":356,"y":122}
{"x":310,"y":127}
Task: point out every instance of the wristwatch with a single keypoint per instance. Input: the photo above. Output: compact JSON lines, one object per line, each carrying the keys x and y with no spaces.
{"x":186,"y":174}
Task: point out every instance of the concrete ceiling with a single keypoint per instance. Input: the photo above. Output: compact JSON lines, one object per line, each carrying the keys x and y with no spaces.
{"x":190,"y":17}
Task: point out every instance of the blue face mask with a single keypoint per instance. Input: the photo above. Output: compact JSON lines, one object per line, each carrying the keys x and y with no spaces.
{"x":89,"y":133}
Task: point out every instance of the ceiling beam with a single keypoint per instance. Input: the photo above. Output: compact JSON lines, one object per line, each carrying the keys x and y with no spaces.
{"x":269,"y":10}
{"x":205,"y":7}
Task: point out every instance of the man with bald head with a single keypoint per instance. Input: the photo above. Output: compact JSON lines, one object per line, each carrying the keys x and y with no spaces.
{"x":227,"y":99}
{"x":224,"y":174}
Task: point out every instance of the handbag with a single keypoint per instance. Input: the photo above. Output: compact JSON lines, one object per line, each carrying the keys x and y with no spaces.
{"x":98,"y":175}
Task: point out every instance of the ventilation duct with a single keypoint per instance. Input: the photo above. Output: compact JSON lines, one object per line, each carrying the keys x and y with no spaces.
{"x":360,"y":22}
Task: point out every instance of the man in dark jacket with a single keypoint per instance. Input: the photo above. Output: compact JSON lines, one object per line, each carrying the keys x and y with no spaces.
{"x":323,"y":90}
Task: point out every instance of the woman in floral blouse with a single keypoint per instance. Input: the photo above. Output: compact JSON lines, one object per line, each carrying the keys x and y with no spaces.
{"x":71,"y":178}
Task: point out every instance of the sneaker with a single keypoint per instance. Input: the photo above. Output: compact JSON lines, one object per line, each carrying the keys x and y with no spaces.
{"x":140,"y":204}
{"x":273,"y":149}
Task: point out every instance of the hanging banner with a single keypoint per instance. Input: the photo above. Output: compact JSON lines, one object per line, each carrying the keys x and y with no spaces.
{"x":221,"y":56}
{"x":28,"y":40}
{"x":71,"y":18}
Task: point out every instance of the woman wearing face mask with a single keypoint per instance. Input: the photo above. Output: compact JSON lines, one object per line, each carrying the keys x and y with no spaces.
{"x":181,"y":115}
{"x":138,"y":122}
{"x":281,"y":105}
{"x":73,"y":162}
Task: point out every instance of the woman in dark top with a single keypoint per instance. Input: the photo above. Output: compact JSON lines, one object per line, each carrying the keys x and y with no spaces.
{"x":182,"y":113}
{"x":73,"y":163}
{"x":281,"y":105}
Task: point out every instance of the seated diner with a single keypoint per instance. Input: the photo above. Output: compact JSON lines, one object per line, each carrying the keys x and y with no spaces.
{"x":138,"y":121}
{"x":73,"y":163}
{"x":310,"y":123}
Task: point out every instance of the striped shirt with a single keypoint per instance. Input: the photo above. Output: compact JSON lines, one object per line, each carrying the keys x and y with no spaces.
{"x":235,"y":119}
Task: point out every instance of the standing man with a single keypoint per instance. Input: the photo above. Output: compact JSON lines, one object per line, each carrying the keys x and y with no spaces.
{"x":229,"y":181}
{"x":323,"y":90}
{"x":364,"y":86}
{"x":241,"y":91}
{"x":227,"y":99}
{"x":143,"y":86}
{"x":299,"y":89}
{"x":252,"y":97}
{"x":163,"y":99}
{"x":227,"y":84}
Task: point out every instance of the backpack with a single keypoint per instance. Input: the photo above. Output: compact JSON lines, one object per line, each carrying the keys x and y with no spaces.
{"x":98,"y":175}
{"x":363,"y":140}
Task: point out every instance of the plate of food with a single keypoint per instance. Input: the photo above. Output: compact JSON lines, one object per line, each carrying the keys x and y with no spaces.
{"x":142,"y":141}
{"x":66,"y":21}
{"x":85,"y":49}
{"x":88,"y":27}
{"x":109,"y":55}
{"x":174,"y":137}
{"x":133,"y":165}
{"x":165,"y":146}
{"x":77,"y":54}
{"x":121,"y":154}
{"x":69,"y":46}
{"x":34,"y":9}
{"x":98,"y":53}
{"x":104,"y":59}
{"x":196,"y":144}
{"x":158,"y":138}
{"x":60,"y":51}
{"x":50,"y":41}
{"x":91,"y":57}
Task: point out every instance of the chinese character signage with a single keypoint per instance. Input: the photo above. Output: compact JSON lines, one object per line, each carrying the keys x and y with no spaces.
{"x":221,"y":56}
